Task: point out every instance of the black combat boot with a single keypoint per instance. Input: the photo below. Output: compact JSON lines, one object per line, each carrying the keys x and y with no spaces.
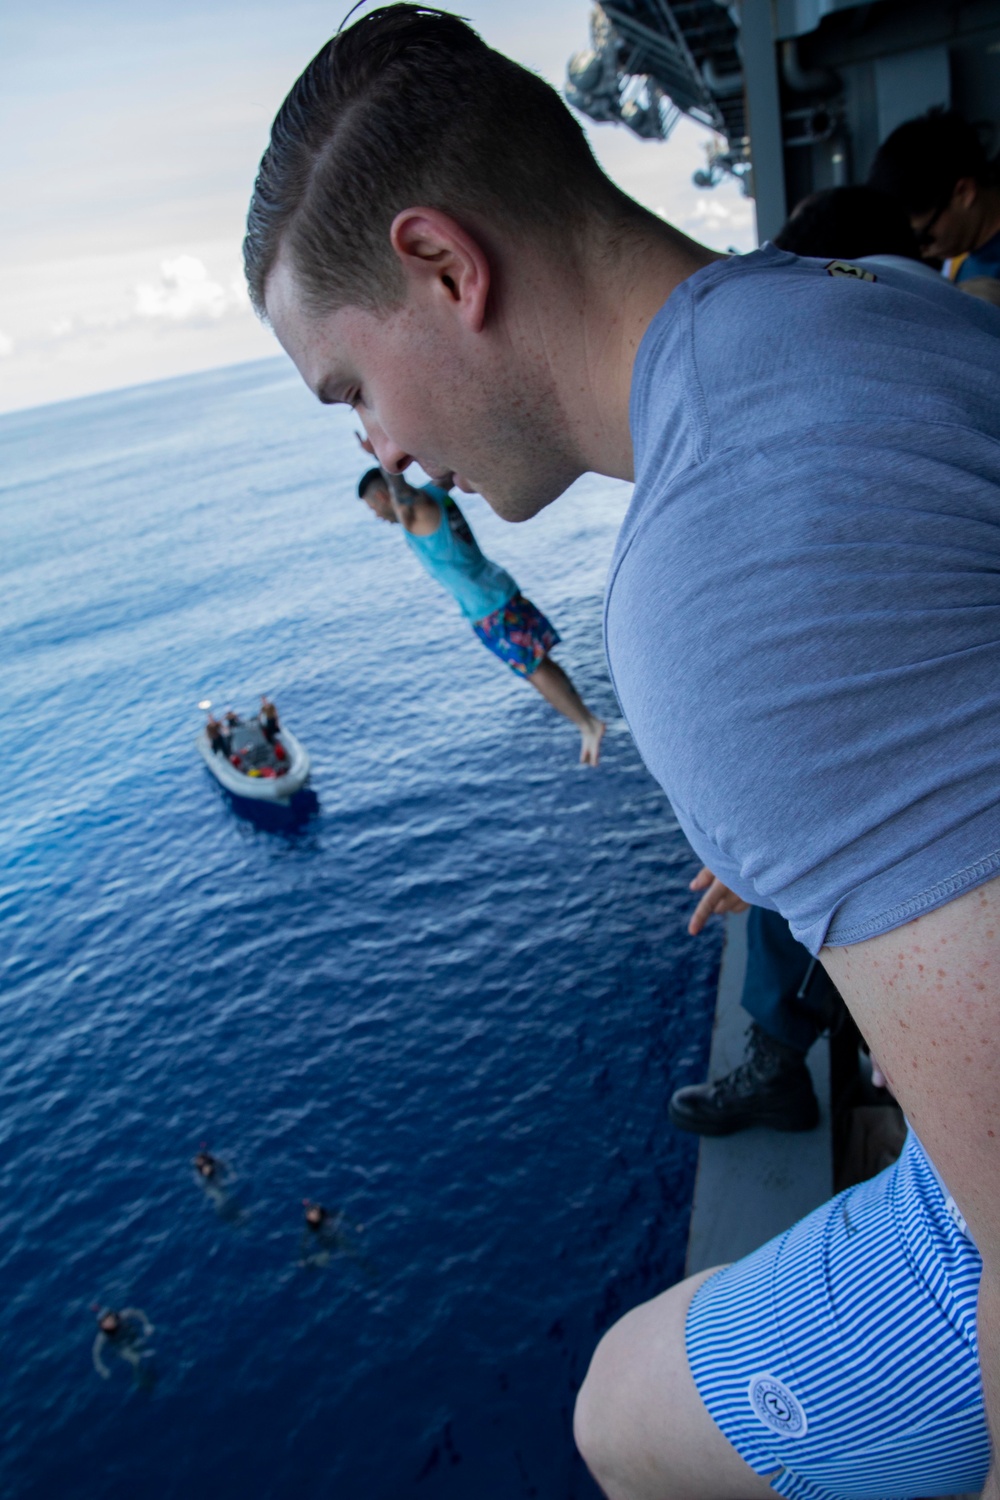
{"x":772,"y":1087}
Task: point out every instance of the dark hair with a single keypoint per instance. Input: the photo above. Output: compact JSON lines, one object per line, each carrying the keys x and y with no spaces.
{"x":368,"y":478}
{"x":846,"y":222}
{"x":921,"y":161}
{"x":409,"y":106}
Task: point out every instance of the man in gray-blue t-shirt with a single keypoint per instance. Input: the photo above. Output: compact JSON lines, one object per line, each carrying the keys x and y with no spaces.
{"x":803,"y":623}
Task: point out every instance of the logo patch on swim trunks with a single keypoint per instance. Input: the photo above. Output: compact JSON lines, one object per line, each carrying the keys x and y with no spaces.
{"x":844,"y":268}
{"x":775,"y":1406}
{"x":955,"y":1214}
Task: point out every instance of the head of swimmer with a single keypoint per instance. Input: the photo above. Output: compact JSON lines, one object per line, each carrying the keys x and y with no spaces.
{"x":417,"y":240}
{"x":109,"y":1322}
{"x":374,"y":491}
{"x":316,"y":1215}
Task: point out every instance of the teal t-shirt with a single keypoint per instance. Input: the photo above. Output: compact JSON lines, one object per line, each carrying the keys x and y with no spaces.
{"x":453,"y":558}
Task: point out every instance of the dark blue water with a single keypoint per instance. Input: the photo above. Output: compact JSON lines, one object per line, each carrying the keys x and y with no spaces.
{"x":449,"y":998}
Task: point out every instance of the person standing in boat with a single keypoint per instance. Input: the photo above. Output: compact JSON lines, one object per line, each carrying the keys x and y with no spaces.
{"x":269,"y":719}
{"x":218,"y":737}
{"x":505,"y":621}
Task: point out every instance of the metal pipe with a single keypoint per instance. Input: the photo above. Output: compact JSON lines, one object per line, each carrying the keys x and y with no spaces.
{"x":721,"y":85}
{"x":806,"y":80}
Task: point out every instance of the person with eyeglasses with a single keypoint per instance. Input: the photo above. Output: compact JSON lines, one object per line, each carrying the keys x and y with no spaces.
{"x":937,"y":167}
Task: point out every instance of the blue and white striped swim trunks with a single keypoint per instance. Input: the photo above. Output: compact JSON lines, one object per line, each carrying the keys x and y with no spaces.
{"x":840,"y":1359}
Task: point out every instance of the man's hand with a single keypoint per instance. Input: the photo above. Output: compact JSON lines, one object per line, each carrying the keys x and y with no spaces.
{"x":401,"y":492}
{"x":717,"y":898}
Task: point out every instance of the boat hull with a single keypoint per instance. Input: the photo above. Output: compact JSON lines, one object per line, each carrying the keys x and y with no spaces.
{"x":259,"y":788}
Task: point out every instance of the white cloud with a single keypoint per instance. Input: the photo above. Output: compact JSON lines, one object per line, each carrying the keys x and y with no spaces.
{"x":6,"y":345}
{"x":715,"y":211}
{"x":186,"y":293}
{"x":78,"y":325}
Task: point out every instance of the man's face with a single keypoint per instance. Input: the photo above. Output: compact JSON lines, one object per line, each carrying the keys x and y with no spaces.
{"x":376,"y":497}
{"x":951,"y":228}
{"x":429,"y":391}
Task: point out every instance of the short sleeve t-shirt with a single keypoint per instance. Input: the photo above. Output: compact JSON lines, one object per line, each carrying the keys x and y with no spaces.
{"x":453,"y":557}
{"x":803,"y":611}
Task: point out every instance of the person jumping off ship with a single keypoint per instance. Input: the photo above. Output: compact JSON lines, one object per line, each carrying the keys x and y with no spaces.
{"x":505,"y":621}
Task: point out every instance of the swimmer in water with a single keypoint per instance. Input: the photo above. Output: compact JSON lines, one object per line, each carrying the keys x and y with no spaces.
{"x":124,"y":1335}
{"x":213,"y":1176}
{"x":207,"y":1166}
{"x":325,"y":1235}
{"x":316,"y":1215}
{"x":321,"y":1235}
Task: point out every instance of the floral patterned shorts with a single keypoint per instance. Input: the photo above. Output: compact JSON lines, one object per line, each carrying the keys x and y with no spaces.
{"x":519,"y":634}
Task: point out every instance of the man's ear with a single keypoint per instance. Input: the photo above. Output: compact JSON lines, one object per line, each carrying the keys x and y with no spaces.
{"x":965,"y":192}
{"x":440,"y":258}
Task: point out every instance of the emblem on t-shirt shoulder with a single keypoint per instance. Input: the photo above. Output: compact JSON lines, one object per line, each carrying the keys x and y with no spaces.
{"x":775,"y":1406}
{"x":854,"y":273}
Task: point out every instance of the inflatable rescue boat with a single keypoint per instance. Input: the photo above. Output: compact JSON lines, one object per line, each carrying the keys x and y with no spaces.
{"x":251,"y":763}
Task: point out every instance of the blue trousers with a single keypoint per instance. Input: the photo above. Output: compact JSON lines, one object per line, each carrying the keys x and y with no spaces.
{"x":789,"y":1002}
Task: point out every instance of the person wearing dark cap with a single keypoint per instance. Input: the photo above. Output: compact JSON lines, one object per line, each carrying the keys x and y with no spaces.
{"x":505,"y":621}
{"x":937,"y":167}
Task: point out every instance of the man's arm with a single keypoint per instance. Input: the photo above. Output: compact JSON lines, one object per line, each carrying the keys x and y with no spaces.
{"x":927,"y":999}
{"x":137,"y":1313}
{"x":415,"y":512}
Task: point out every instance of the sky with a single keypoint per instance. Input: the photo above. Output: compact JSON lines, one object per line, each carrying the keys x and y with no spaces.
{"x":133,"y":134}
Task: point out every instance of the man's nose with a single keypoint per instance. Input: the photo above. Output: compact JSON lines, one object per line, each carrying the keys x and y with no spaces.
{"x":391,"y":457}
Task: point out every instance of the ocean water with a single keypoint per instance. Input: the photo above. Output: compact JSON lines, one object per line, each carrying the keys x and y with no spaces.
{"x":448,"y":995}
